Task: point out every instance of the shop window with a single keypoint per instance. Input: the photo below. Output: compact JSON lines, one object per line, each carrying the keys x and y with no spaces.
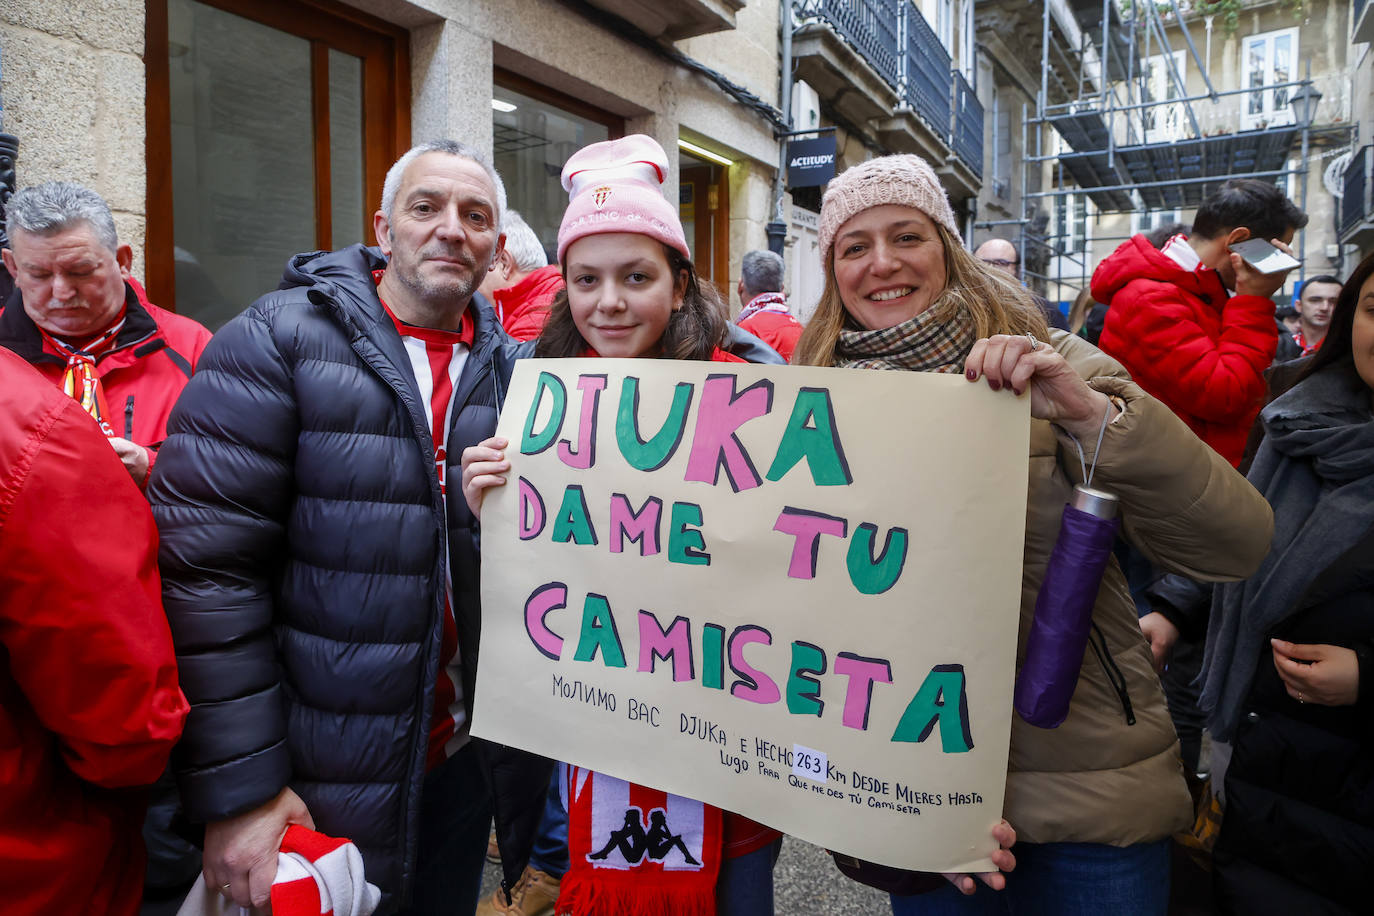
{"x":535,"y":131}
{"x":271,"y":124}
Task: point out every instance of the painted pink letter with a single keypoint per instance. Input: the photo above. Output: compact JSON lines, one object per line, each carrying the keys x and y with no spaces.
{"x":862,"y":673}
{"x":715,"y":446}
{"x":585,"y":456}
{"x":807,"y":527}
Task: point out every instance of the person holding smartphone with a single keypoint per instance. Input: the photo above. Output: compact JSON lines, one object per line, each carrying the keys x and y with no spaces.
{"x":1193,"y":322}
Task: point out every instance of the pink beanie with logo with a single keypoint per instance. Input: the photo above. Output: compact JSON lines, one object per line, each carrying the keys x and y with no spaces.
{"x":616,"y":186}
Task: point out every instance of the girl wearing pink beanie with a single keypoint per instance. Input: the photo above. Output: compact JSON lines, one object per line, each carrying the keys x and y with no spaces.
{"x":631,"y":287}
{"x":632,"y":292}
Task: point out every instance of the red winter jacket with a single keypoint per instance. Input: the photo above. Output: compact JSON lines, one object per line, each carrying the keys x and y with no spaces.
{"x":89,"y":703}
{"x":1186,"y":341}
{"x":524,"y":307}
{"x":142,"y":374}
{"x":779,"y":331}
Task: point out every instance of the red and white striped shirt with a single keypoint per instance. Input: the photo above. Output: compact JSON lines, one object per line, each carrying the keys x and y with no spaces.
{"x":437,"y":359}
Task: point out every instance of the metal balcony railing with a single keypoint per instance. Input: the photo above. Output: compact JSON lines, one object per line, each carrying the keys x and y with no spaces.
{"x":1356,"y":205}
{"x":968,"y":126}
{"x":926,"y":71}
{"x":897,"y":42}
{"x":870,"y":26}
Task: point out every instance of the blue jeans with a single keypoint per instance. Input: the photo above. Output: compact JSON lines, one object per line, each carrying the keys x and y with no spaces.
{"x":550,"y":851}
{"x":745,"y":884}
{"x":1062,"y":879}
{"x":455,"y":812}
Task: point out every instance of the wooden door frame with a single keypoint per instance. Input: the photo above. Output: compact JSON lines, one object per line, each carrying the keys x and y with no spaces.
{"x":385,"y":51}
{"x":715,"y":225}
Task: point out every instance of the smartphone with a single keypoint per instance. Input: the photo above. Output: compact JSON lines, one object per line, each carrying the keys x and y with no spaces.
{"x":1264,"y":257}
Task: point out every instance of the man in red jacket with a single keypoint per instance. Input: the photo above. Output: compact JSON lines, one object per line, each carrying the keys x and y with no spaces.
{"x":521,"y":283}
{"x":765,"y":313}
{"x":89,"y":703}
{"x":1192,"y":322}
{"x":80,"y":318}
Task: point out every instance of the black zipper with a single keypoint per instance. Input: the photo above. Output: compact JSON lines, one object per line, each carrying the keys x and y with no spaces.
{"x":1118,"y":680}
{"x":129,"y":418}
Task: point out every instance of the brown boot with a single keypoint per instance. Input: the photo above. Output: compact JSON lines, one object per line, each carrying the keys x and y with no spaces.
{"x":533,"y":895}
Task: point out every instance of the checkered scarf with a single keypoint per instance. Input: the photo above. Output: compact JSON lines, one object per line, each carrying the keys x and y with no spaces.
{"x":931,"y":342}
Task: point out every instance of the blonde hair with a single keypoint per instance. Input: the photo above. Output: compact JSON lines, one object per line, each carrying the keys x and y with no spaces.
{"x":996,"y":303}
{"x":1078,"y":314}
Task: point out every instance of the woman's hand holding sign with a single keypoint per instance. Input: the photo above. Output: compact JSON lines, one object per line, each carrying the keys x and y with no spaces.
{"x":1005,"y":835}
{"x":484,"y":465}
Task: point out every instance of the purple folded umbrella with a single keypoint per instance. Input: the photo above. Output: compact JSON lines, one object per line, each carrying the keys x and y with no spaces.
{"x":1064,"y":608}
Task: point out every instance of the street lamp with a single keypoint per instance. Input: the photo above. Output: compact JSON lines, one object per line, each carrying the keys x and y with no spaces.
{"x":1304,"y":102}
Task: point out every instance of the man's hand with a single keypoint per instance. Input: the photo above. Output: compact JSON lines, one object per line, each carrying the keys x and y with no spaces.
{"x":135,"y":458}
{"x":241,"y":852}
{"x":1250,"y":282}
{"x":1162,"y":635}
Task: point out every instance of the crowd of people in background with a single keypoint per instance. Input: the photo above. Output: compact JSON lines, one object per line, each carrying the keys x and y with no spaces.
{"x":256,"y":554}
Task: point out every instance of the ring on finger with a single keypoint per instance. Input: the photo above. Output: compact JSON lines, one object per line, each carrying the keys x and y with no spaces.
{"x":1034,"y":344}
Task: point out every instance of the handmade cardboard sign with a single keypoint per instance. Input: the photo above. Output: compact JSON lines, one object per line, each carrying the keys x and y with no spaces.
{"x":791,"y":593}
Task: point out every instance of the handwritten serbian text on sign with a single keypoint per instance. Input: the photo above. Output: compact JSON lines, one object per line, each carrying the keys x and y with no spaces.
{"x":791,"y":593}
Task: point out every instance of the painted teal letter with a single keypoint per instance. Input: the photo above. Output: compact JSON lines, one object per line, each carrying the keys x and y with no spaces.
{"x":573,"y":523}
{"x":941,"y":699}
{"x":533,"y":443}
{"x":599,"y":632}
{"x":811,"y":434}
{"x":713,"y":656}
{"x":654,"y":454}
{"x":803,"y":690}
{"x":686,"y":545}
{"x":873,"y":575}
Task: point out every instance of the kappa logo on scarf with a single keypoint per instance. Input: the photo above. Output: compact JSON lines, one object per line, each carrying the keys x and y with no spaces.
{"x":601,"y":195}
{"x":638,"y":839}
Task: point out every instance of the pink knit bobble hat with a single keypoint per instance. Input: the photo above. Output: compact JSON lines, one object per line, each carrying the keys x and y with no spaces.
{"x":906,"y":180}
{"x":616,"y":186}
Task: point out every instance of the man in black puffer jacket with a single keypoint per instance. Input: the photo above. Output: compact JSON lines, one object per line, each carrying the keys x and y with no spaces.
{"x":321,"y":583}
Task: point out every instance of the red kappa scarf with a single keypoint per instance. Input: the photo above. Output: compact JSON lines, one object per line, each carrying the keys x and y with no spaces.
{"x":81,"y":381}
{"x":636,"y":850}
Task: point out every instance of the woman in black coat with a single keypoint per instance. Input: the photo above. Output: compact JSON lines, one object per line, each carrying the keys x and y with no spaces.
{"x":1289,"y":675}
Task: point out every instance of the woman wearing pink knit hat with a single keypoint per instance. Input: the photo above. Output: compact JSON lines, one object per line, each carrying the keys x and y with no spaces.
{"x":1094,"y":800}
{"x":632,"y":292}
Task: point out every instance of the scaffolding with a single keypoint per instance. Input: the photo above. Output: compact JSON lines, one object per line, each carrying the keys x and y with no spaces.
{"x":1125,"y":149}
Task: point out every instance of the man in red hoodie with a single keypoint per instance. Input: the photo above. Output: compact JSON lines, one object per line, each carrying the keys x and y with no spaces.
{"x":521,"y":283}
{"x":1192,"y":322}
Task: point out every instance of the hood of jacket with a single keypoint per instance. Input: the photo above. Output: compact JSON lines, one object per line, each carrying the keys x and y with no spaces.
{"x":342,"y":280}
{"x":1137,"y":259}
